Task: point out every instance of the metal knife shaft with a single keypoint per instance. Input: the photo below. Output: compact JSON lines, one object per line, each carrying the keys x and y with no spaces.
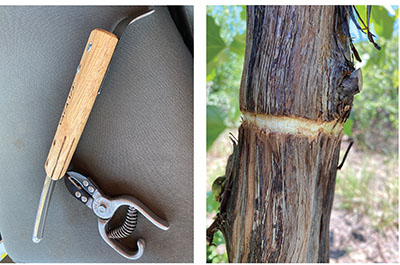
{"x":41,"y":213}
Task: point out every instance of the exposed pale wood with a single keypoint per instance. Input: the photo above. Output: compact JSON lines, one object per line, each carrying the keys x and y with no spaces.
{"x":278,"y":195}
{"x":83,"y":93}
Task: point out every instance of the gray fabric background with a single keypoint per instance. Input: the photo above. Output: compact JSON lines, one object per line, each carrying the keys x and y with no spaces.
{"x":138,"y":139}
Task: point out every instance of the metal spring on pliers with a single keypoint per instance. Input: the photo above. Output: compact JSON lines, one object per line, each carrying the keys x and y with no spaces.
{"x":127,"y":227}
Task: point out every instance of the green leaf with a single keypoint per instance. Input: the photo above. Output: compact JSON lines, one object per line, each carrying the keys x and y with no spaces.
{"x":212,"y":74}
{"x":215,"y":44}
{"x":212,"y":204}
{"x":212,"y":65}
{"x":215,"y":124}
{"x":383,"y":23}
{"x":362,"y":11}
{"x":243,"y":14}
{"x":238,"y":44}
{"x":348,"y":125}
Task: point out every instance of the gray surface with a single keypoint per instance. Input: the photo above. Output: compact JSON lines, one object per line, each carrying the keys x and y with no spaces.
{"x":138,"y":139}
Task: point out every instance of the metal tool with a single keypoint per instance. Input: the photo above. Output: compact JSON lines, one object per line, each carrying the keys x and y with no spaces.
{"x":85,"y":190}
{"x":85,"y":87}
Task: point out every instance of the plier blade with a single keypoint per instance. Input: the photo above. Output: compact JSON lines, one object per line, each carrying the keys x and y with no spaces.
{"x":81,"y":188}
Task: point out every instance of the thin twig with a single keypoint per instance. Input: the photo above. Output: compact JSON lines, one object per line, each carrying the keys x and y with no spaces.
{"x":345,"y":154}
{"x":212,"y":229}
{"x":381,"y":252}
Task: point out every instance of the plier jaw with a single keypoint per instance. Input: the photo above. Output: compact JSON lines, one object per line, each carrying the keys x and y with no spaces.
{"x":104,"y":207}
{"x":81,"y":187}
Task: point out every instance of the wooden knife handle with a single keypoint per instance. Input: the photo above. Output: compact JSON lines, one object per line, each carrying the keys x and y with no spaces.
{"x":90,"y":73}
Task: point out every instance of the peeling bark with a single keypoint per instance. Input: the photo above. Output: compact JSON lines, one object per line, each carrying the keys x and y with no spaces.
{"x":278,"y":196}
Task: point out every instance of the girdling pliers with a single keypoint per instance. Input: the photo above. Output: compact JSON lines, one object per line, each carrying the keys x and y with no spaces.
{"x":104,"y":207}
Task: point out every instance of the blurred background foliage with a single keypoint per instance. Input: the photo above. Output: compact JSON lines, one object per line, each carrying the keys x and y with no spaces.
{"x":226,"y":40}
{"x":373,"y":122}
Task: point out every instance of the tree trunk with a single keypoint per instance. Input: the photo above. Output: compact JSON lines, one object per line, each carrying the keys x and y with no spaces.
{"x":296,"y":92}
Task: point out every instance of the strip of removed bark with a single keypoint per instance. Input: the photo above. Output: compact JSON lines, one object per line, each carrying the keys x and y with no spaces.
{"x":292,"y":125}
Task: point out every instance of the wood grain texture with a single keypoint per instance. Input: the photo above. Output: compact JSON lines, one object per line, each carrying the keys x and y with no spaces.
{"x":83,"y":93}
{"x":280,"y":197}
{"x":277,"y":200}
{"x":296,"y":58}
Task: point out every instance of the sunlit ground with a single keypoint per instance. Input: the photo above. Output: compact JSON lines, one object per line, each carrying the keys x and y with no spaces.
{"x":364,"y":223}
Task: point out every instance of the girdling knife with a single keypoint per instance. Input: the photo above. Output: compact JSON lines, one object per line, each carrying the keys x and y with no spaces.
{"x":85,"y":87}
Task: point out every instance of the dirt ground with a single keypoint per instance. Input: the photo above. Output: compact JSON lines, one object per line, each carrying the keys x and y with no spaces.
{"x":353,"y":236}
{"x":353,"y":240}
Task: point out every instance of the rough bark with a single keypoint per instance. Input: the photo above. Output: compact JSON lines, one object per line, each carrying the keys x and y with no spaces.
{"x":278,"y":196}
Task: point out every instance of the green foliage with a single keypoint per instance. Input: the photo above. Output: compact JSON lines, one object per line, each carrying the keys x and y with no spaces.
{"x":215,"y":44}
{"x":376,"y":107}
{"x":212,"y":204}
{"x":215,"y":124}
{"x":348,"y":125}
{"x":215,"y":253}
{"x":380,"y":19}
{"x":238,"y":44}
{"x":364,"y":192}
{"x":226,"y":41}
